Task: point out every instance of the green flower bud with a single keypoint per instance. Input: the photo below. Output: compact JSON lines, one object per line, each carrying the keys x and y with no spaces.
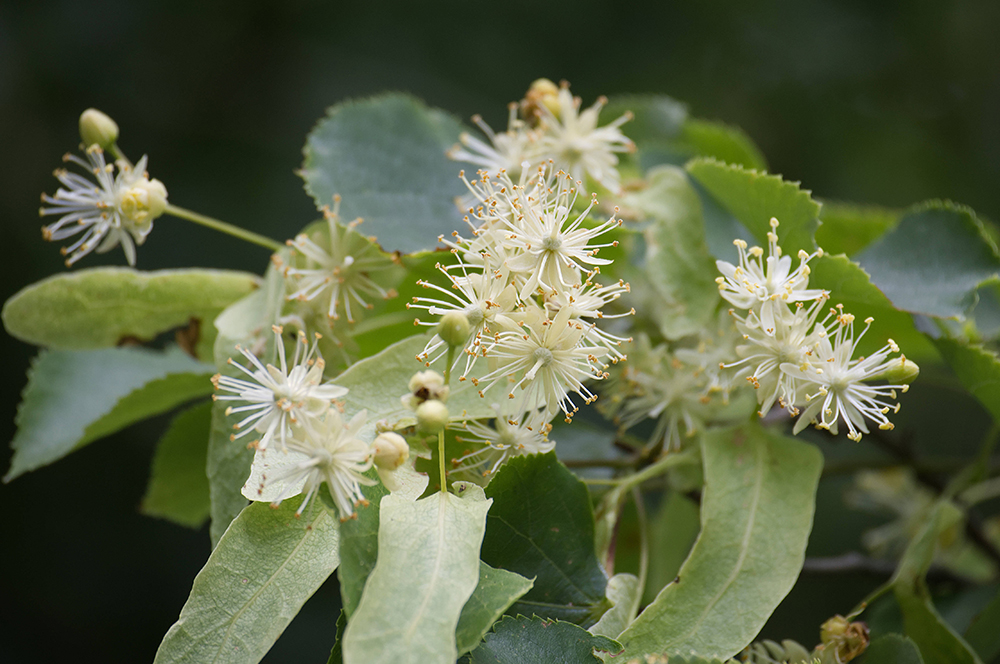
{"x":842,"y":640}
{"x":454,"y":329}
{"x":97,"y":128}
{"x":391,"y":450}
{"x":901,"y":371}
{"x":432,"y":416}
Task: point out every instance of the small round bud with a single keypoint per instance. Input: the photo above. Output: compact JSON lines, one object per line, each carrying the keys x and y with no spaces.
{"x":432,"y":416}
{"x":901,"y":372}
{"x":97,"y":128}
{"x":391,"y":450}
{"x":425,"y":385}
{"x":454,"y":329}
{"x":542,"y":92}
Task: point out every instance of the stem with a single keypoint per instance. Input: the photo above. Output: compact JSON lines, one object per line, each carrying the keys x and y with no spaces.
{"x":867,"y":601}
{"x":448,"y":363}
{"x":223,"y":227}
{"x":640,"y":508}
{"x":444,"y":477}
{"x":656,"y":469}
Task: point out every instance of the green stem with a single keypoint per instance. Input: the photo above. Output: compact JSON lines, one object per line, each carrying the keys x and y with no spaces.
{"x":658,"y":468}
{"x":444,"y":477}
{"x":448,"y":363}
{"x":223,"y":227}
{"x":640,"y":508}
{"x":872,"y":596}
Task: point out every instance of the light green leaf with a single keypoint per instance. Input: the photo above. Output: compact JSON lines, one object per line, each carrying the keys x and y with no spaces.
{"x":892,"y":649}
{"x":983,"y":634}
{"x":977,"y":368}
{"x":933,"y":261}
{"x":678,"y":265}
{"x":264,"y":569}
{"x":757,"y":512}
{"x":427,"y":568}
{"x":227,"y":467}
{"x":178,"y":487}
{"x":497,"y":590}
{"x":542,"y":526}
{"x":723,"y":142}
{"x":846,"y":228}
{"x":75,"y":397}
{"x":386,"y":157}
{"x":524,"y":640}
{"x":359,"y":547}
{"x":672,"y":532}
{"x":754,"y":198}
{"x":623,"y":594}
{"x":105,"y":306}
{"x":938,"y":642}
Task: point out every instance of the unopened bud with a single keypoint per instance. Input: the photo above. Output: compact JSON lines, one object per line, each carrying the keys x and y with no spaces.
{"x":432,"y":416}
{"x":843,"y":640}
{"x":454,"y":329}
{"x":425,"y":385}
{"x":97,"y":128}
{"x":542,"y":92}
{"x":901,"y":372}
{"x":391,"y":450}
{"x":144,"y":201}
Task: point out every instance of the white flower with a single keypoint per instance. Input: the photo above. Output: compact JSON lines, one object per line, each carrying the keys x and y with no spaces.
{"x":504,"y":440}
{"x":838,"y":379}
{"x":505,"y":151}
{"x":278,"y":397}
{"x":588,"y":301}
{"x":119,"y":210}
{"x":765,"y":285}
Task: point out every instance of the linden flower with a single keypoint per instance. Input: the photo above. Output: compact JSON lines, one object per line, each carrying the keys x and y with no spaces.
{"x":504,"y":440}
{"x":766,"y":285}
{"x":278,"y":397}
{"x":337,"y":266}
{"x":841,"y":393}
{"x":505,"y":151}
{"x":118,"y":210}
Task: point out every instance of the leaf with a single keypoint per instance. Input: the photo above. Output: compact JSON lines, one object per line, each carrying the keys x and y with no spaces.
{"x":541,"y":525}
{"x":892,"y":649}
{"x":678,"y":265}
{"x":623,"y":594}
{"x":757,"y":512}
{"x":75,"y":397}
{"x":337,"y":652}
{"x":672,"y":532}
{"x":359,"y":547}
{"x":227,"y":466}
{"x":524,"y":640}
{"x":755,"y":197}
{"x":497,"y":589}
{"x":264,"y":569}
{"x":427,"y":568}
{"x":983,"y":635}
{"x":846,"y":228}
{"x":938,"y":642}
{"x":987,"y":312}
{"x":178,"y":487}
{"x":977,"y":368}
{"x":722,"y":142}
{"x":386,"y":157}
{"x":933,"y":261}
{"x":104,"y":306}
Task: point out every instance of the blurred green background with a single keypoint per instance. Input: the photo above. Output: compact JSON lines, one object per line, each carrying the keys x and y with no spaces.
{"x":876,"y":102}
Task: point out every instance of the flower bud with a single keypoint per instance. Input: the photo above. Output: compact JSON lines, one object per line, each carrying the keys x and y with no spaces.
{"x":97,"y":128}
{"x":144,"y":201}
{"x":901,"y":372}
{"x":391,"y":450}
{"x":454,"y":329}
{"x":842,"y":639}
{"x":542,"y":92}
{"x":432,"y":416}
{"x":425,"y":385}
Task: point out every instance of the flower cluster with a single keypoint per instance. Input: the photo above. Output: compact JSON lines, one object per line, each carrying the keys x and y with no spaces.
{"x":797,"y":360}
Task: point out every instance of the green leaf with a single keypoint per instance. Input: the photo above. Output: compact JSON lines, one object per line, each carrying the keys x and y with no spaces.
{"x":757,"y":512}
{"x":754,"y":198}
{"x":524,"y":640}
{"x":678,"y":265}
{"x":264,"y":569}
{"x":983,"y":634}
{"x":541,"y":525}
{"x":623,"y":594}
{"x":337,"y":652}
{"x":987,"y":312}
{"x":227,"y":468}
{"x":977,"y":368}
{"x":672,"y":532}
{"x":892,"y":649}
{"x":846,"y":228}
{"x":178,"y":487}
{"x":386,"y":157}
{"x":938,"y":642}
{"x":427,"y":568}
{"x":359,"y":547}
{"x":497,"y":590}
{"x":75,"y":397}
{"x":722,"y":142}
{"x":933,"y":261}
{"x":105,"y":306}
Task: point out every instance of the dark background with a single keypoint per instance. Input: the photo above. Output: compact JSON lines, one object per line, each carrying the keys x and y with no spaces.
{"x":878,"y":102}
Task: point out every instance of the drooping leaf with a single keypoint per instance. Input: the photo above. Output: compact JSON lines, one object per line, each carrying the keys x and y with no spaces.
{"x":75,"y":397}
{"x":534,"y":640}
{"x":754,"y":198}
{"x":933,"y":261}
{"x":756,"y":515}
{"x":386,"y":157}
{"x":496,"y":591}
{"x":427,"y":568}
{"x":678,"y":265}
{"x":977,"y":368}
{"x":541,"y":525}
{"x":178,"y":487}
{"x":938,"y":642}
{"x":846,"y":228}
{"x":892,"y":649}
{"x":105,"y":306}
{"x":623,"y":594}
{"x":983,"y":635}
{"x":264,"y":569}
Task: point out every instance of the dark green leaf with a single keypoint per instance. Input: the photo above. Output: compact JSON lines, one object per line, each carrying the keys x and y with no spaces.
{"x":541,"y":525}
{"x":722,"y":142}
{"x":337,"y":652}
{"x":977,"y":368}
{"x":359,"y":547}
{"x":523,"y":640}
{"x":497,"y":590}
{"x":75,"y":397}
{"x":892,"y":649}
{"x":672,"y":530}
{"x":987,"y":312}
{"x":846,"y":228}
{"x":227,"y":468}
{"x":933,"y":261}
{"x":264,"y":569}
{"x":178,"y":486}
{"x":984,"y":632}
{"x":386,"y":157}
{"x":756,"y":515}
